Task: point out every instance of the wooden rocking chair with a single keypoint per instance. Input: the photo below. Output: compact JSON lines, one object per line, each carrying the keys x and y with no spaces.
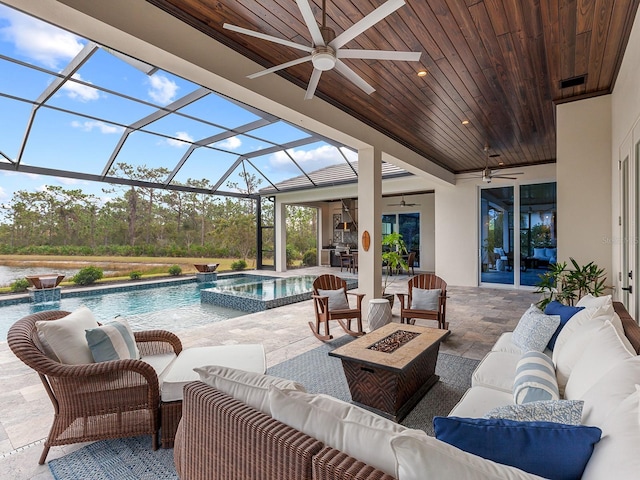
{"x":425,"y":281}
{"x":324,"y":313}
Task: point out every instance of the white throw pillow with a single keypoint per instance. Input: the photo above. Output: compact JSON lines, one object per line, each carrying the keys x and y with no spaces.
{"x":66,"y":336}
{"x":616,"y":454}
{"x":248,"y":387}
{"x":608,"y":392}
{"x":350,"y":429}
{"x":600,"y":355}
{"x":337,"y":299}
{"x":429,"y":458}
{"x":422,"y":299}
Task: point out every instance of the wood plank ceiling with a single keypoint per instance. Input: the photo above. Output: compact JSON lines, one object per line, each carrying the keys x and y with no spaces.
{"x":497,"y":63}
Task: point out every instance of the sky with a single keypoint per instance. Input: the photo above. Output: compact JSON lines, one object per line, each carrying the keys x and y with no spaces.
{"x":84,"y":125}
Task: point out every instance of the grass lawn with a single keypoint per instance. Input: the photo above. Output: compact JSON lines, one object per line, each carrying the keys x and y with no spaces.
{"x":121,"y":266}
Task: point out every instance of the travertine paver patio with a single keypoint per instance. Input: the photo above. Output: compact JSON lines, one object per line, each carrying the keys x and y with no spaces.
{"x":477,"y":317}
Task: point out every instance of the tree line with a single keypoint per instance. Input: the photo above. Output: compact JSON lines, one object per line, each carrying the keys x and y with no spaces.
{"x":141,"y":221}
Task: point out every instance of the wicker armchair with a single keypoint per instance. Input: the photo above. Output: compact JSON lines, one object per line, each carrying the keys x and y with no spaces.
{"x":425,"y":281}
{"x":95,"y":401}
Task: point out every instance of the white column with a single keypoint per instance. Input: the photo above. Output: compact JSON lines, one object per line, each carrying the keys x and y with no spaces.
{"x":319,"y":230}
{"x":280,"y":213}
{"x":370,"y":220}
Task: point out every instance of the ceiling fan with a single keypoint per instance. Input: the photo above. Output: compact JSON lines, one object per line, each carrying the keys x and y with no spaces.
{"x":404,"y":204}
{"x":326,"y":52}
{"x":488,"y":174}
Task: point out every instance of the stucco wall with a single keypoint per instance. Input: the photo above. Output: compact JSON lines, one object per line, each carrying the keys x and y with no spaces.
{"x":584,"y":181}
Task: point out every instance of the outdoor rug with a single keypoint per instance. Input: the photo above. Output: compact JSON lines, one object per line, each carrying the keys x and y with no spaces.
{"x":133,"y":459}
{"x":320,"y":373}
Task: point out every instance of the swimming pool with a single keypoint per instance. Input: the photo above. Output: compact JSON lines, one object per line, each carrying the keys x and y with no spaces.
{"x":263,"y":295}
{"x":171,"y":307}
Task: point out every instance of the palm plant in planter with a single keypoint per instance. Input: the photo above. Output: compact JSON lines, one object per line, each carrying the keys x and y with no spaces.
{"x":393,"y":248}
{"x":569,"y":285}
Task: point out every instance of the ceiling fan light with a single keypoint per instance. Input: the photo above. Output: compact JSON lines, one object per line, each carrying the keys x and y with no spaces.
{"x":323,"y":58}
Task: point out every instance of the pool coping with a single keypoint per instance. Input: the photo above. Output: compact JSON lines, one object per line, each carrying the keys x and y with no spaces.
{"x":122,"y":287}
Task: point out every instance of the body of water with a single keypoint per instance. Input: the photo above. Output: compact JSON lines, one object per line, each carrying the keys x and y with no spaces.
{"x":174,"y":308}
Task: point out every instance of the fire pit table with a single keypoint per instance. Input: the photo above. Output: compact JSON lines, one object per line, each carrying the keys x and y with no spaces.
{"x":390,"y":369}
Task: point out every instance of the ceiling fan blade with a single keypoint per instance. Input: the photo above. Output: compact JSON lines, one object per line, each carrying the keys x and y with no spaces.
{"x":367,"y":22}
{"x":379,"y":55}
{"x":279,"y":67}
{"x":313,"y":84}
{"x":503,"y":177}
{"x":310,"y":21}
{"x":270,"y":38}
{"x":352,"y":76}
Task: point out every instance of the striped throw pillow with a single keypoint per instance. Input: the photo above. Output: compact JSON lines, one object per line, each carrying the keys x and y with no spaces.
{"x":535,"y":379}
{"x":112,"y":341}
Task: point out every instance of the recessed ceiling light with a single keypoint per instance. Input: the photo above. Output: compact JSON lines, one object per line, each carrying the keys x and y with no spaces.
{"x":465,"y":122}
{"x":422,"y":73}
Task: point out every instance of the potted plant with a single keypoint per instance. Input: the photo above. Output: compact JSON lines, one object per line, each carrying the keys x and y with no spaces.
{"x":393,"y":249}
{"x":569,"y":285}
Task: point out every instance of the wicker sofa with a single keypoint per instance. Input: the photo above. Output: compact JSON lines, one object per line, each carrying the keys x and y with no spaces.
{"x":222,"y":437}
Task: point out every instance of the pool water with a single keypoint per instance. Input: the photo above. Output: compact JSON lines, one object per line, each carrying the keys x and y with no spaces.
{"x":174,"y":308}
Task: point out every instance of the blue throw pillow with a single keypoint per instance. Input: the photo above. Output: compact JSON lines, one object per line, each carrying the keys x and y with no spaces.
{"x":550,"y":450}
{"x":565,"y":312}
{"x":112,"y":341}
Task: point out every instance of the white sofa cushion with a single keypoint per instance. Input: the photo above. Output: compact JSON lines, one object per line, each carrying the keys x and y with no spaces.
{"x":505,"y":344}
{"x":616,"y":455}
{"x":608,"y":392}
{"x":429,"y":458}
{"x":601,"y":354}
{"x":496,"y":370}
{"x":350,"y":429}
{"x":249,"y":387}
{"x":66,"y":336}
{"x":477,"y":401}
{"x":573,"y":338}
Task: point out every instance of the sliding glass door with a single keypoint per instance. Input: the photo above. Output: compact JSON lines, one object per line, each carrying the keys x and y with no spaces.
{"x":528,"y":246}
{"x":408,"y":225}
{"x":496,"y":235}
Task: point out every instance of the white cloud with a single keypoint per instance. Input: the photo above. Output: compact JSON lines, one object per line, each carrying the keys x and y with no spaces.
{"x":89,"y":125}
{"x":39,"y":41}
{"x":231,"y":143}
{"x":78,"y":91}
{"x":3,"y":194}
{"x":28,"y":175}
{"x":163,"y":90}
{"x":309,"y":160}
{"x":69,"y":181}
{"x":178,"y":143}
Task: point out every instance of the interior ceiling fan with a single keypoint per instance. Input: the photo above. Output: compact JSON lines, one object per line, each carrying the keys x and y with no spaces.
{"x":488,"y":174}
{"x":404,"y":204}
{"x":326,"y":53}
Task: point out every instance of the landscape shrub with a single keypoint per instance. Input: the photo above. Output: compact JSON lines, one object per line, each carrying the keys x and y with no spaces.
{"x":135,"y":275}
{"x":239,"y":265}
{"x":175,"y":270}
{"x":19,"y":285}
{"x":292,"y":254}
{"x":310,"y":258}
{"x":87,"y":276}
